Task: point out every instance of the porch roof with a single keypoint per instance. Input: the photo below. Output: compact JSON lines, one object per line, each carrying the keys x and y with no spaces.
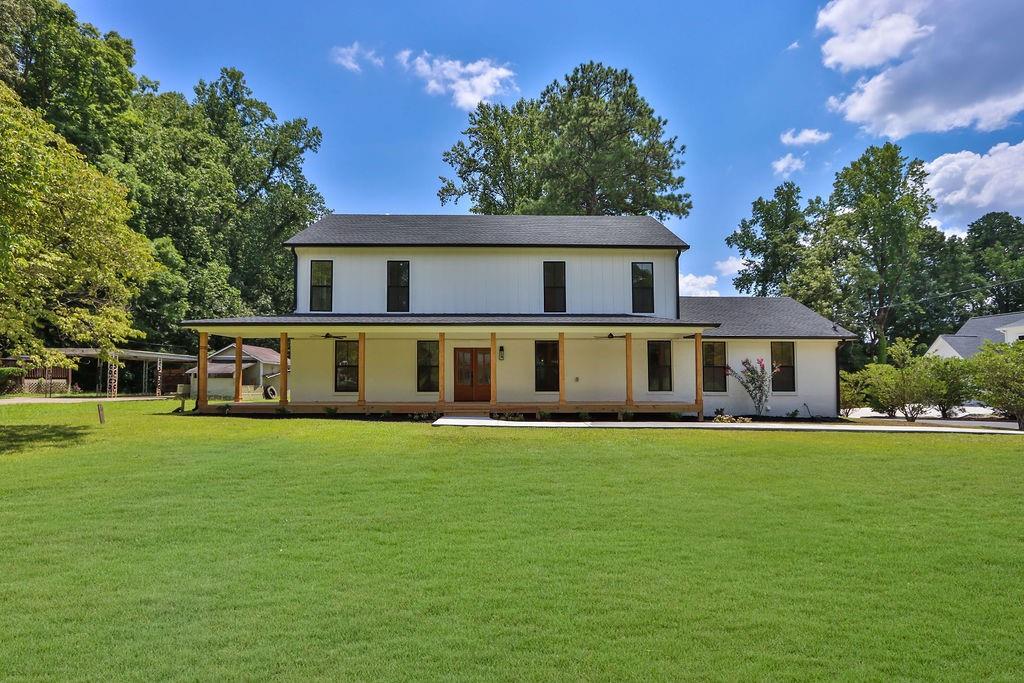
{"x":315,"y":324}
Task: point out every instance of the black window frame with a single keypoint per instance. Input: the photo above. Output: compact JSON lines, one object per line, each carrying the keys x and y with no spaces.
{"x":315,"y":288}
{"x":554,"y":293}
{"x":350,"y":367}
{"x":545,"y":366}
{"x":427,"y":374}
{"x":396,"y":290}
{"x":715,"y":372}
{"x":642,"y":294}
{"x":781,"y":372}
{"x":659,"y":373}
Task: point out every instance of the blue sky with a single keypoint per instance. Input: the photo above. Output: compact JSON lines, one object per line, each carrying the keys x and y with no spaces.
{"x":389,"y":83}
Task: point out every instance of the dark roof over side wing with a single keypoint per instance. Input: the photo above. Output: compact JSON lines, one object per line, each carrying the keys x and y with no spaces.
{"x":747,"y":316}
{"x":487,"y":231}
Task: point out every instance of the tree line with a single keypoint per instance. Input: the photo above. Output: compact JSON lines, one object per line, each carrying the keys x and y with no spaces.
{"x":126,"y":208}
{"x":870,"y":257}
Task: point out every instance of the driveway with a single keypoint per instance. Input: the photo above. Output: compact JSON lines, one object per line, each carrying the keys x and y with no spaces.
{"x":42,"y":399}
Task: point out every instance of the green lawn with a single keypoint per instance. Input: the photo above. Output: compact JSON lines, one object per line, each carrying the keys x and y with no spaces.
{"x":162,"y":545}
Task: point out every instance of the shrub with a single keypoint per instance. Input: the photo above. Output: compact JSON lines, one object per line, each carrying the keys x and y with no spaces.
{"x":880,"y":388}
{"x":757,"y":380}
{"x":954,"y":384}
{"x":10,"y":378}
{"x":909,"y":386}
{"x":852,"y":391}
{"x":998,"y":371}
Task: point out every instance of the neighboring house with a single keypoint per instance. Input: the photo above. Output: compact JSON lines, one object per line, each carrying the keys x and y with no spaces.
{"x":261,"y":368}
{"x":1003,"y":327}
{"x":523,"y":314}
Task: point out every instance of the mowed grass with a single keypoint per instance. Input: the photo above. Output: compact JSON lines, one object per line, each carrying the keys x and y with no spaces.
{"x":162,"y":545}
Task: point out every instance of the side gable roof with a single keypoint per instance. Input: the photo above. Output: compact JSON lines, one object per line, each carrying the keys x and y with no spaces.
{"x":260,"y":353}
{"x":487,"y":231}
{"x":749,"y":316}
{"x":987,"y":326}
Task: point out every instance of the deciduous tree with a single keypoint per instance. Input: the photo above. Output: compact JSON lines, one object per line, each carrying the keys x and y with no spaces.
{"x":73,"y":265}
{"x":590,"y":144}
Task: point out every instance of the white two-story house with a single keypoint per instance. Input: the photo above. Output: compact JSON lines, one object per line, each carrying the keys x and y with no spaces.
{"x":524,"y":314}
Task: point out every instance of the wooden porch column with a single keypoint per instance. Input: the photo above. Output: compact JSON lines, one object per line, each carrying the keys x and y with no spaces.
{"x":440,"y":368}
{"x":201,"y":371}
{"x":238,"y":369}
{"x":698,"y":354}
{"x":362,"y":369}
{"x":629,"y":369}
{"x":283,"y":369}
{"x":561,"y":368}
{"x":494,"y":368}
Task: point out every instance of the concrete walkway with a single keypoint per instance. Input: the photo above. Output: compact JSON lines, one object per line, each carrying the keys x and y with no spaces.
{"x":753,"y":426}
{"x":95,"y":399}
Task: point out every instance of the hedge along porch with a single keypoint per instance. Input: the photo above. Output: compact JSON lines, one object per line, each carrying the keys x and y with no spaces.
{"x":615,"y":364}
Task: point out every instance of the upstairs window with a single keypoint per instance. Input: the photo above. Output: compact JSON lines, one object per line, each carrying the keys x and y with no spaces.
{"x":784,"y":358}
{"x":321,"y":285}
{"x":398,"y":286}
{"x":426,"y":365}
{"x":554,"y":286}
{"x":346,"y":366}
{"x":659,"y":366}
{"x":715,"y":366}
{"x":643,"y":288}
{"x":545,"y":354}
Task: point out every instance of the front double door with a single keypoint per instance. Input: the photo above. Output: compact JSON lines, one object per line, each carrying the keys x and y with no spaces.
{"x":472,"y":374}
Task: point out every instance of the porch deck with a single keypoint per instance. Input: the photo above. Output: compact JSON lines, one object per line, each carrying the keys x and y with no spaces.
{"x":447,"y":408}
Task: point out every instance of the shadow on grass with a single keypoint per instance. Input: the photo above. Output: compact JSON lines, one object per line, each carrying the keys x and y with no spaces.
{"x":17,"y":438}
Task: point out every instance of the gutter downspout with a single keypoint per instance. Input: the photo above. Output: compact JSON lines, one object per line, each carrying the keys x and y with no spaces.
{"x":679,"y":252}
{"x":839,"y":347}
{"x":295,"y":279}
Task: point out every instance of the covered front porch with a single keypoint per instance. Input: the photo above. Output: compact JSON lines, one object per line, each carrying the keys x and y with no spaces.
{"x":620,"y":366}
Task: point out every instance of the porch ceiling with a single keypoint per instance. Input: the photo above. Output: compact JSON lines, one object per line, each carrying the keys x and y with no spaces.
{"x":409,"y":326}
{"x":459,"y":331}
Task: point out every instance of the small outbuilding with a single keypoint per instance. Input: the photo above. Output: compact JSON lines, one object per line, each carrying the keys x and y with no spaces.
{"x":261,"y":370}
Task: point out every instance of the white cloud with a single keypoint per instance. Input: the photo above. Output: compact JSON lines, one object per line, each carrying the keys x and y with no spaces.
{"x":469,"y":83}
{"x":697,"y":285}
{"x":931,"y":65}
{"x":967,"y":184}
{"x":787,"y":165}
{"x":729,"y":266}
{"x":350,"y":57}
{"x":795,"y":45}
{"x":807,"y":136}
{"x":869,"y":34}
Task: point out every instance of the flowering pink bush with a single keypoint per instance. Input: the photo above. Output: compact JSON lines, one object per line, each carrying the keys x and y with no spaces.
{"x":757,"y":380}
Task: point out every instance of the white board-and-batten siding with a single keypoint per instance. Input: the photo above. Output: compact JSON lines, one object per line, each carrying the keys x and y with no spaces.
{"x":488,"y":279}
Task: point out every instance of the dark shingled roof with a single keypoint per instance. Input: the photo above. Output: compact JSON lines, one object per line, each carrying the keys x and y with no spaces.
{"x":749,"y":316}
{"x":972,"y":334}
{"x":446,"y":319}
{"x":487,"y":231}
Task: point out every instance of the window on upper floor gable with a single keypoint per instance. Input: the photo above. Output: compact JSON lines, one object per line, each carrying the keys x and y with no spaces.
{"x":321,"y":285}
{"x":643,"y":287}
{"x":554,"y":286}
{"x":398,"y":286}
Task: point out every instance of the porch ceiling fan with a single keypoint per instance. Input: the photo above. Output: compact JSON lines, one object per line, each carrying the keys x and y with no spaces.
{"x":328,"y":335}
{"x":610,"y":336}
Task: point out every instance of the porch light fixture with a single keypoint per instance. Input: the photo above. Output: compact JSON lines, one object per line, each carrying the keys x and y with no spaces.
{"x":501,"y":352}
